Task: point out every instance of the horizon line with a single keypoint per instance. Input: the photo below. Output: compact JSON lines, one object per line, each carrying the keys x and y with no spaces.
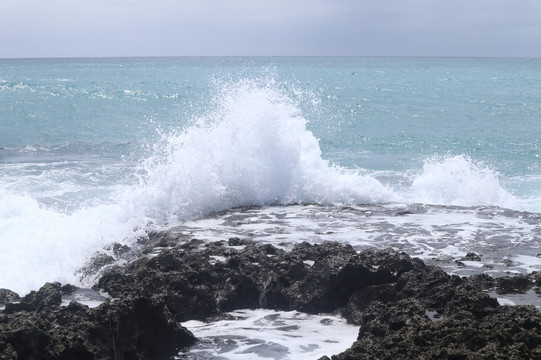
{"x":268,"y":56}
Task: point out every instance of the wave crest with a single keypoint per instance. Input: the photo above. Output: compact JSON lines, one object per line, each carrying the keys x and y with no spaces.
{"x":458,"y":180}
{"x":253,"y":149}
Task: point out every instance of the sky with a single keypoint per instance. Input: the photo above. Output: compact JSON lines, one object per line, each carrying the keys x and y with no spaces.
{"x":100,"y":28}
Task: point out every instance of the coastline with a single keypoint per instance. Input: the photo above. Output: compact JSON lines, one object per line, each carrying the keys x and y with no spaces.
{"x":404,"y":307}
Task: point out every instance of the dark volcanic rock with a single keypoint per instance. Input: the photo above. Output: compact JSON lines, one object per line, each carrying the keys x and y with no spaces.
{"x":310,"y":278}
{"x":513,"y":284}
{"x":405,"y":308}
{"x":394,"y":297}
{"x":8,"y":296}
{"x":132,"y":328}
{"x":48,"y":296}
{"x":401,"y":330}
{"x":471,"y":257}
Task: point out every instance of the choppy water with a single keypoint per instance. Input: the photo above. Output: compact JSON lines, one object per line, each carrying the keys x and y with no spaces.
{"x":264,"y":334}
{"x":433,"y":156}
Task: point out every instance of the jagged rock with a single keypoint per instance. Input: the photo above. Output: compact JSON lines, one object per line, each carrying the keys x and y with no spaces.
{"x":481,"y":281}
{"x":310,"y":278}
{"x":48,"y":296}
{"x":405,"y":308}
{"x":471,"y":257}
{"x":8,"y":296}
{"x":132,"y":328}
{"x":401,"y":330}
{"x":235,"y":241}
{"x":513,"y":284}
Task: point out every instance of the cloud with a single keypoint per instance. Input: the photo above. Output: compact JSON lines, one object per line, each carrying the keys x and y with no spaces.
{"x":265,"y":27}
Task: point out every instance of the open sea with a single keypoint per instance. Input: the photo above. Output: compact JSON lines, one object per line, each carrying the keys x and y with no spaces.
{"x":436,"y":157}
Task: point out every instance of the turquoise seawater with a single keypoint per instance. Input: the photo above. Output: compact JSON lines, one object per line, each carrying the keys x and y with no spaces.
{"x":368,"y":113}
{"x":100,"y":150}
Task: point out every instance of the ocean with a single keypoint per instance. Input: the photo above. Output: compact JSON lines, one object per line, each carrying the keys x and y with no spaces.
{"x":436,"y":157}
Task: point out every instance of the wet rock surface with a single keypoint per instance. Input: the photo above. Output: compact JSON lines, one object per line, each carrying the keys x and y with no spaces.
{"x":133,"y":328}
{"x":406,"y":309}
{"x":8,"y":296}
{"x":402,"y":330}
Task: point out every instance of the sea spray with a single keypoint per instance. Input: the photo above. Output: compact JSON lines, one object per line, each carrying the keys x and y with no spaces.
{"x":40,"y":244}
{"x":253,"y":149}
{"x":458,"y":180}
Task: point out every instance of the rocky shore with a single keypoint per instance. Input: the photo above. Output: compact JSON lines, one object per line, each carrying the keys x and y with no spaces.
{"x":405,"y":309}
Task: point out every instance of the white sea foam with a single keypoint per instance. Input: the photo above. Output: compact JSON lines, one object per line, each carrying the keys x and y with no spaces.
{"x":263,"y":334}
{"x":505,"y":240}
{"x":458,"y":180}
{"x":40,"y":244}
{"x":254,"y":149}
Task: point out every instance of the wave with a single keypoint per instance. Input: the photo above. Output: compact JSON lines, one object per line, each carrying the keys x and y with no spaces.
{"x":252,"y":149}
{"x":42,"y":244}
{"x":458,"y":180}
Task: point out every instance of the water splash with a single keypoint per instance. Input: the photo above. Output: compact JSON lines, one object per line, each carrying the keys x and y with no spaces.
{"x":458,"y":180}
{"x":253,"y":149}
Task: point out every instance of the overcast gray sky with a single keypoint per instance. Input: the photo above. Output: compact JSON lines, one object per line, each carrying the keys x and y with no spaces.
{"x":74,"y":28}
